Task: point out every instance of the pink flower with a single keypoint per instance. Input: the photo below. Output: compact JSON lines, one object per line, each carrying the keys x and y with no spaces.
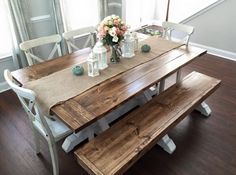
{"x":116,"y":22}
{"x":102,"y":32}
{"x":106,"y":28}
{"x":112,"y":26}
{"x":124,"y":28}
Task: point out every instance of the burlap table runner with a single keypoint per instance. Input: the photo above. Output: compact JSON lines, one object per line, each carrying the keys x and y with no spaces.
{"x":63,"y":85}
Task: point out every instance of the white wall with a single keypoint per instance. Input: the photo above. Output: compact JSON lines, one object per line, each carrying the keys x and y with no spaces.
{"x":217,"y":27}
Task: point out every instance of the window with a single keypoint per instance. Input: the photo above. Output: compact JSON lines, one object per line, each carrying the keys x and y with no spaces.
{"x":139,"y":12}
{"x":79,"y":13}
{"x":5,"y":32}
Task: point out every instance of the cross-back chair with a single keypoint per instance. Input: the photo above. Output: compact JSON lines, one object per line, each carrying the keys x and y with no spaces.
{"x":75,"y":35}
{"x":170,"y":27}
{"x":51,"y":128}
{"x":27,"y":47}
{"x":184,"y":30}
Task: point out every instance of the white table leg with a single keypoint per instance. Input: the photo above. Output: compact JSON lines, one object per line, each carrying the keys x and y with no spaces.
{"x":167,"y":144}
{"x":204,"y":109}
{"x":88,"y":133}
{"x":178,"y":76}
{"x":74,"y":139}
{"x":162,"y":86}
{"x":101,"y":126}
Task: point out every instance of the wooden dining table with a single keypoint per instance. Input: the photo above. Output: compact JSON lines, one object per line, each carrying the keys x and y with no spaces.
{"x":93,"y":104}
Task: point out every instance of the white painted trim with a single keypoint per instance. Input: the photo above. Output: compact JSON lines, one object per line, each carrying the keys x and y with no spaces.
{"x":40,"y":18}
{"x":204,"y":10}
{"x":217,"y":52}
{"x":6,"y":57}
{"x":4,"y":87}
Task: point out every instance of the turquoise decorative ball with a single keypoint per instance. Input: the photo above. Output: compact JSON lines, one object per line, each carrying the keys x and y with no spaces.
{"x":145,"y":48}
{"x":78,"y":70}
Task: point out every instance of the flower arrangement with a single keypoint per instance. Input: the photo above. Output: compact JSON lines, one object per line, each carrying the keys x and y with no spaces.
{"x":111,"y":30}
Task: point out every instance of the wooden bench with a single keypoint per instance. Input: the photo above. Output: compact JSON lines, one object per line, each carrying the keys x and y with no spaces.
{"x":116,"y":149}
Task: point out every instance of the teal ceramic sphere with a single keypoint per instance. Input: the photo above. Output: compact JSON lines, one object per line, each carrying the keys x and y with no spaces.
{"x":78,"y":70}
{"x":145,"y":48}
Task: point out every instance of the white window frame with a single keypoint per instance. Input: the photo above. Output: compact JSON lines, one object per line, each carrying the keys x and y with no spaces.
{"x":7,"y":31}
{"x":67,"y":22}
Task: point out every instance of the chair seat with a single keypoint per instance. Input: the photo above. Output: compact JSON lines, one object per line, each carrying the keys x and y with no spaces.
{"x":57,"y":127}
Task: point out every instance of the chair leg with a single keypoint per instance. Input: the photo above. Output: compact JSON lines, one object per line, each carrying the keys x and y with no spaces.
{"x":54,"y":157}
{"x":36,"y":140}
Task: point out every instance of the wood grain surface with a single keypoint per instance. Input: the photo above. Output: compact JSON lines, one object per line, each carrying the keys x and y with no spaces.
{"x":105,"y":97}
{"x":116,"y":149}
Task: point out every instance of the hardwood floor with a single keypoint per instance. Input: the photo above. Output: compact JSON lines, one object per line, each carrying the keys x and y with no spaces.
{"x":205,"y":146}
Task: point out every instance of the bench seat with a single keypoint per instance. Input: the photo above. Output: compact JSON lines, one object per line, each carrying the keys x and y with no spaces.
{"x":116,"y":149}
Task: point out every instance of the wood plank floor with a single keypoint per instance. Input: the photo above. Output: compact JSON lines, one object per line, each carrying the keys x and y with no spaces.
{"x":205,"y":146}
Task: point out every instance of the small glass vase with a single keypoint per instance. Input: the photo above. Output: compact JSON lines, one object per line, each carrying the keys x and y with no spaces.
{"x":115,"y":56}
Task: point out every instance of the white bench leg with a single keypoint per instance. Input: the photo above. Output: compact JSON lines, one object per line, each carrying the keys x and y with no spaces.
{"x":167,"y":144}
{"x":204,"y":109}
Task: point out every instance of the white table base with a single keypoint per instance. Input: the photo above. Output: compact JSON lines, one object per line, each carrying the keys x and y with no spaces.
{"x":165,"y":142}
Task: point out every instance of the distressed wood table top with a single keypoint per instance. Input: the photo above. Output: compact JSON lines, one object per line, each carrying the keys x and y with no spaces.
{"x":93,"y":104}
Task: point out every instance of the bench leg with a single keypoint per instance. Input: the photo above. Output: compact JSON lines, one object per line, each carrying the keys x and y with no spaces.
{"x":167,"y":144}
{"x":204,"y":109}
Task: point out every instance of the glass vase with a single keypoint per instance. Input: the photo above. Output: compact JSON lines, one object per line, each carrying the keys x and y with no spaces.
{"x":115,"y":56}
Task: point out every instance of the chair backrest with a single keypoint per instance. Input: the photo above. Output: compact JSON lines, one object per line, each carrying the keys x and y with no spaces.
{"x":70,"y":37}
{"x":169,"y":27}
{"x":28,"y":45}
{"x":27,"y":98}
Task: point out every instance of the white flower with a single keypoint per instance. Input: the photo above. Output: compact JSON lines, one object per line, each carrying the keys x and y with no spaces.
{"x":107,"y":18}
{"x":113,"y":16}
{"x":110,"y":23}
{"x":115,"y":39}
{"x":112,"y":31}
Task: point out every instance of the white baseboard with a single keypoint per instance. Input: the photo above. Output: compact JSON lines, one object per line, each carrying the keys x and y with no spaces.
{"x":3,"y":87}
{"x":217,"y":52}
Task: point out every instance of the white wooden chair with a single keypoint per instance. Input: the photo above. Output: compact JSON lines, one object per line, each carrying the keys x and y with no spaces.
{"x":74,"y":35}
{"x":28,"y":45}
{"x":185,"y":30}
{"x":51,"y":128}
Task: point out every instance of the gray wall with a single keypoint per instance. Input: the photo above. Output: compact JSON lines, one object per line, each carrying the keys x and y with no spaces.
{"x":217,"y":27}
